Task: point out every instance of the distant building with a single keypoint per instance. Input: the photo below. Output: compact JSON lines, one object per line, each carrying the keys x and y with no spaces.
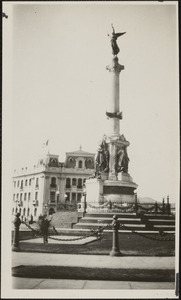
{"x":50,"y":183}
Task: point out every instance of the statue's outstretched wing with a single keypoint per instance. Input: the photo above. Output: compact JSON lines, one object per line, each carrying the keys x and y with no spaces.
{"x":119,"y":34}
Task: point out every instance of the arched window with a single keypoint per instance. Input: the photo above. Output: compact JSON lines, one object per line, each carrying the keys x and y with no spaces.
{"x":80,"y":164}
{"x":71,"y":162}
{"x":89,"y":163}
{"x":53,"y":162}
{"x":24,"y":211}
{"x":79,"y":186}
{"x":16,"y":210}
{"x":53,"y":182}
{"x":74,"y":181}
{"x":68,"y":183}
{"x":20,"y":211}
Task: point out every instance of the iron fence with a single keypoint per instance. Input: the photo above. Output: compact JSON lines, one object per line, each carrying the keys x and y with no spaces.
{"x":128,"y":207}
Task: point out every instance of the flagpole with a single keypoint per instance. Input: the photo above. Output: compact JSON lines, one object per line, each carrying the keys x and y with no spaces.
{"x":48,"y":146}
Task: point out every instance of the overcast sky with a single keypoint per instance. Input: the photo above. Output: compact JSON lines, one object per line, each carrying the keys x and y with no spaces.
{"x":58,"y":87}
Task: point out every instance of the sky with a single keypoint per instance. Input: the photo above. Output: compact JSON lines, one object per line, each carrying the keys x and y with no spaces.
{"x":57,"y":88}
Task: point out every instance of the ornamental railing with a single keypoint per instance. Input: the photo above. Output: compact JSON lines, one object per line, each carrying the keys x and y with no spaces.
{"x":125,"y":207}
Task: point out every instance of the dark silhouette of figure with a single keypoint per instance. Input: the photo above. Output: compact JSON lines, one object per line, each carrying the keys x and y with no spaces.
{"x":122,"y":160}
{"x":44,"y":224}
{"x":4,"y":15}
{"x":115,"y":48}
{"x":102,"y":158}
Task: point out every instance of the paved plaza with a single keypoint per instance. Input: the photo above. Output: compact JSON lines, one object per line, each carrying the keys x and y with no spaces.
{"x":93,"y":261}
{"x":90,"y":261}
{"x":38,"y":283}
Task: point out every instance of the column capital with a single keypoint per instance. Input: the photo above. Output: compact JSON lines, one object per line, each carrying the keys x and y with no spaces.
{"x":115,"y":66}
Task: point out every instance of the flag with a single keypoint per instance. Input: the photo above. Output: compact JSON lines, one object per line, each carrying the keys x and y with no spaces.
{"x":45,"y":144}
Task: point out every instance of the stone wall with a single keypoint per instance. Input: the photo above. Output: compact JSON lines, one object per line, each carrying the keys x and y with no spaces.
{"x":64,"y":219}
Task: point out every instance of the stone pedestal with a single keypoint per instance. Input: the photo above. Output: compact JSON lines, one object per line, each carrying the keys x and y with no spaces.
{"x":94,"y":191}
{"x":117,"y":191}
{"x":120,"y":190}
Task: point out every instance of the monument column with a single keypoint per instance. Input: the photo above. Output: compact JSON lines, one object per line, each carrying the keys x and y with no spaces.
{"x":111,"y":180}
{"x":114,"y":114}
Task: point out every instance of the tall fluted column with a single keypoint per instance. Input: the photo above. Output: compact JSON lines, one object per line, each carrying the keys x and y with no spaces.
{"x":114,"y":116}
{"x":114,"y":113}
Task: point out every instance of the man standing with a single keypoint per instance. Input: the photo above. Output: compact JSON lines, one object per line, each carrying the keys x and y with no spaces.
{"x":44,"y":224}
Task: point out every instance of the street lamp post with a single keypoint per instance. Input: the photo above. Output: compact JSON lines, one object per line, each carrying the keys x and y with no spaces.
{"x":115,"y":243}
{"x":45,"y":209}
{"x":84,"y":194}
{"x":57,"y":199}
{"x":17,"y":223}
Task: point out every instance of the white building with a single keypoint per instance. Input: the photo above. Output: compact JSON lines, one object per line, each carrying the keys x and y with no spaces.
{"x":50,"y":183}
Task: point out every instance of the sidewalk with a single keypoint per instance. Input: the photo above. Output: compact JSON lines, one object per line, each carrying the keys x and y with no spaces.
{"x":38,"y":283}
{"x":93,"y":261}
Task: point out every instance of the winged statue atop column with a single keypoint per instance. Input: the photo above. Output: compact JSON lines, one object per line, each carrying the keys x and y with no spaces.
{"x":115,"y":48}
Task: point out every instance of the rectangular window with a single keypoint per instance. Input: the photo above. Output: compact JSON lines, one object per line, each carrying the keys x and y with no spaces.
{"x":25,"y":196}
{"x":52,"y":196}
{"x":29,"y":196}
{"x":57,"y":198}
{"x":73,"y":197}
{"x":36,"y":196}
{"x":68,"y":197}
{"x":74,"y":181}
{"x":79,"y":195}
{"x":37,"y":183}
{"x":21,"y":184}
